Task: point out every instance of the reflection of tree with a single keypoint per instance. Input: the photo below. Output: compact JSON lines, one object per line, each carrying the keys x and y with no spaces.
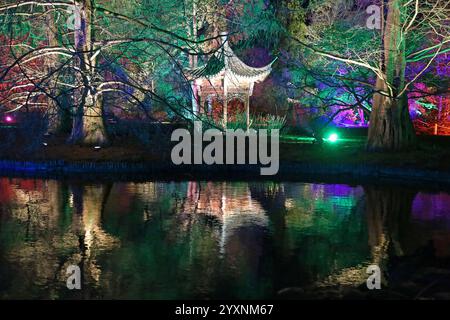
{"x":390,"y":231}
{"x":90,"y":202}
{"x":389,"y":215}
{"x":323,"y":231}
{"x":31,"y":236}
{"x":48,"y":229}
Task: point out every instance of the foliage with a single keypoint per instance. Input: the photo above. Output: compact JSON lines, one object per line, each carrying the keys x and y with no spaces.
{"x":268,"y":122}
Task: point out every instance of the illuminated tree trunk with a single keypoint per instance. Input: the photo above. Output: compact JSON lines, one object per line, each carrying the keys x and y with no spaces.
{"x":93,"y":127}
{"x":390,"y":124}
{"x":88,"y":126}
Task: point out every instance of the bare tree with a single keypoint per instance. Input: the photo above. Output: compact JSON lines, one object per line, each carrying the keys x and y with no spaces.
{"x":72,"y":57}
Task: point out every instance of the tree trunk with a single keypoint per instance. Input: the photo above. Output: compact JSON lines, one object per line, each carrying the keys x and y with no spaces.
{"x":88,"y":126}
{"x":76,"y":136}
{"x":93,"y":126}
{"x":390,"y":127}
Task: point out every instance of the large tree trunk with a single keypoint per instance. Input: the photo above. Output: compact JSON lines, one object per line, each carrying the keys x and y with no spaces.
{"x":88,"y":126}
{"x":390,"y":126}
{"x":93,"y":126}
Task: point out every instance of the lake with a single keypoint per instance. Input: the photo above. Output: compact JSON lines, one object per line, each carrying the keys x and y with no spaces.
{"x":221,"y":240}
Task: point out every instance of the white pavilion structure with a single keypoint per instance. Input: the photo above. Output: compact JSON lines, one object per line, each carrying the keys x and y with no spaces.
{"x":223,"y":78}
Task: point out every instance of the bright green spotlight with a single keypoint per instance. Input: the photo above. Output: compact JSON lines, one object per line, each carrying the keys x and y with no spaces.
{"x":333,"y":137}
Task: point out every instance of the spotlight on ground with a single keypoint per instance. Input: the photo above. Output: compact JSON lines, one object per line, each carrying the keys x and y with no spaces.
{"x":333,"y":137}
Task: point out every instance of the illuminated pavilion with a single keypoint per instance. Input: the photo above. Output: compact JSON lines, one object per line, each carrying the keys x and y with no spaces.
{"x":223,"y":78}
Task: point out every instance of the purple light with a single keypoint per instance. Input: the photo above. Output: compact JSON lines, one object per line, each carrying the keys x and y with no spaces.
{"x":9,"y":119}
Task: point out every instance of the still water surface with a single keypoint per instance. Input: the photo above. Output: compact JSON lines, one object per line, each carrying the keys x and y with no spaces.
{"x":202,"y":240}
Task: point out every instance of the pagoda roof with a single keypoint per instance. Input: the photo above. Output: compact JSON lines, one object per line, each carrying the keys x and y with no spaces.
{"x":227,"y":61}
{"x":213,"y":67}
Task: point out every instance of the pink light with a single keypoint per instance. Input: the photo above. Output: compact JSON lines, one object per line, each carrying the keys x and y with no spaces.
{"x":9,"y":119}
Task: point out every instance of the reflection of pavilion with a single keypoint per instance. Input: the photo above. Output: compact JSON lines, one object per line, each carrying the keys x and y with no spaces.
{"x":232,"y":205}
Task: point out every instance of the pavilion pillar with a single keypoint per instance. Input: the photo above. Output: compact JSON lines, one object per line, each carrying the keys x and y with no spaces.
{"x":201,"y":105}
{"x":225,"y":111}
{"x":247,"y":110}
{"x":225,"y":103}
{"x":247,"y":103}
{"x":195,"y":98}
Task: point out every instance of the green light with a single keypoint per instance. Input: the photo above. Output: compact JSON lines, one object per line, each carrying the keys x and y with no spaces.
{"x":333,"y":137}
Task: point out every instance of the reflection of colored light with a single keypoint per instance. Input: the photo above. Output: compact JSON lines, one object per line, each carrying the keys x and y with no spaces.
{"x":333,"y":137}
{"x":9,"y":119}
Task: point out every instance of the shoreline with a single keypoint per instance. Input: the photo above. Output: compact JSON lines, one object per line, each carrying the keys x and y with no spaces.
{"x":288,"y":171}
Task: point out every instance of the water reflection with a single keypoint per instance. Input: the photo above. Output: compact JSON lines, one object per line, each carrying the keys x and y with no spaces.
{"x":159,"y":240}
